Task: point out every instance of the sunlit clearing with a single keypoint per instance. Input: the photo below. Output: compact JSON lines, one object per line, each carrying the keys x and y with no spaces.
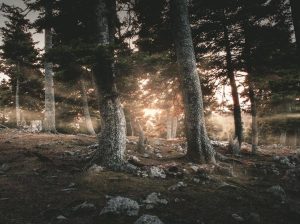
{"x":150,"y":112}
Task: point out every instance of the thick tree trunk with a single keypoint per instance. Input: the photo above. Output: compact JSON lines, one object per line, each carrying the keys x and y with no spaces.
{"x":295,"y":8}
{"x":18,"y":111}
{"x":234,"y":92}
{"x":49,"y":117}
{"x":199,"y":146}
{"x":112,"y":139}
{"x":86,"y":111}
{"x":254,"y":126}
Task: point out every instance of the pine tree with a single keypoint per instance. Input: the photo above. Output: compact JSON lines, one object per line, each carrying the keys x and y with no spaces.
{"x":17,"y":48}
{"x":199,"y":146}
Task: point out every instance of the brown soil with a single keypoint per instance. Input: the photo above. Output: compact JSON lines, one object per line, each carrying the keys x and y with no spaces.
{"x":42,"y":178}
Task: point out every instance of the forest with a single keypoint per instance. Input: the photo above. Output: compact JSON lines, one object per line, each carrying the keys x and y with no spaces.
{"x":149,"y":111}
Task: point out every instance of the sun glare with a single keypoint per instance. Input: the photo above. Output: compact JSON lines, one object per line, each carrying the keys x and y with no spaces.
{"x":151,"y":112}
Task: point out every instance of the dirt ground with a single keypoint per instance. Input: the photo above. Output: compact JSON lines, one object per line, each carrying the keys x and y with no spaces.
{"x":42,"y":180}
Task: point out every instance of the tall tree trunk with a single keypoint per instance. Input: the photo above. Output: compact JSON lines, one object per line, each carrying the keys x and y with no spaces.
{"x":295,"y":8}
{"x":250,"y":82}
{"x":199,"y":146}
{"x":18,"y":111}
{"x":169,"y":126}
{"x":234,"y":92}
{"x":49,"y":117}
{"x":112,"y":139}
{"x":174,"y":126}
{"x":86,"y":111}
{"x":141,"y":142}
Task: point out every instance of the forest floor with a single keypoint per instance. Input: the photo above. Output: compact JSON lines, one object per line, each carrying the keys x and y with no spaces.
{"x":42,"y":180}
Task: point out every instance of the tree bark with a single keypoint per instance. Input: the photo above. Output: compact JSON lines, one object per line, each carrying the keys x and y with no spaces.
{"x":199,"y":146}
{"x":169,"y":126}
{"x":174,"y":126}
{"x":234,"y":92}
{"x":141,"y":142}
{"x":251,"y":93}
{"x":86,"y":111}
{"x":18,"y":111}
{"x":295,"y":8}
{"x":112,"y":139}
{"x":49,"y":116}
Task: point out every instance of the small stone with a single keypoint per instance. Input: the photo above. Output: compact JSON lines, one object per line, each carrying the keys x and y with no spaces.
{"x":61,"y":217}
{"x":278,"y":192}
{"x":157,"y":172}
{"x":237,"y":218}
{"x":148,"y":219}
{"x":195,"y":168}
{"x":158,"y":155}
{"x":196,"y":180}
{"x":5,"y":167}
{"x":145,"y":155}
{"x":149,"y":206}
{"x":121,"y":206}
{"x":95,"y":169}
{"x":154,"y":199}
{"x":180,"y":185}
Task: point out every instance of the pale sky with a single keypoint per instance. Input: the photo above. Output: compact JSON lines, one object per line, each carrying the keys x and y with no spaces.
{"x":38,"y":37}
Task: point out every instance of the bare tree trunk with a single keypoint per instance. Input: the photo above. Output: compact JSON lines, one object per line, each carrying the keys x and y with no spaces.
{"x":295,"y":8}
{"x":199,"y":146}
{"x":86,"y":111}
{"x":169,"y":126}
{"x":49,"y":117}
{"x":254,"y":126}
{"x":18,"y":111}
{"x":141,"y":142}
{"x":282,"y":139}
{"x":234,"y":92}
{"x":174,"y":126}
{"x":112,"y":139}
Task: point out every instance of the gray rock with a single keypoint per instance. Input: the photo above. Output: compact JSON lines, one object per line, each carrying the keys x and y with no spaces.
{"x":148,"y":219}
{"x":278,"y":192}
{"x":157,"y":172}
{"x":154,"y":199}
{"x":61,"y":217}
{"x":121,"y":206}
{"x":145,"y":155}
{"x":95,"y":169}
{"x":237,"y":218}
{"x":180,"y":185}
{"x":5,"y":167}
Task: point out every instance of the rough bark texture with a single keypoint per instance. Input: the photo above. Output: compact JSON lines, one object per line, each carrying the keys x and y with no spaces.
{"x":295,"y":8}
{"x":49,"y":116}
{"x":112,"y":139}
{"x":18,"y":111}
{"x":250,"y":82}
{"x":86,"y":111}
{"x":199,"y":146}
{"x":234,"y":92}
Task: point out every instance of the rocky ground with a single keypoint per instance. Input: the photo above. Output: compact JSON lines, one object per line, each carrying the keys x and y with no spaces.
{"x":43,"y":180}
